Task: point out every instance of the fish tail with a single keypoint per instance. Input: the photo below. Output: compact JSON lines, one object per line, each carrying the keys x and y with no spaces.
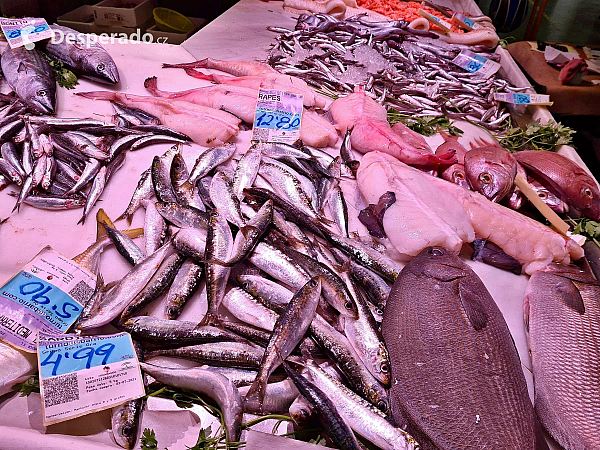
{"x":151,"y":83}
{"x":98,"y":95}
{"x":82,"y":220}
{"x":211,"y":319}
{"x":199,"y":75}
{"x":200,"y":64}
{"x":254,"y":399}
{"x":446,"y":158}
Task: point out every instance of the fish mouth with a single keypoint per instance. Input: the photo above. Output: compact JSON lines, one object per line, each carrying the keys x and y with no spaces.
{"x":43,"y":108}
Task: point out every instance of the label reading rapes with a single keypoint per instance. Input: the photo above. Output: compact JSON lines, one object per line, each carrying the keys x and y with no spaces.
{"x":47,"y":295}
{"x":25,"y":31}
{"x":84,"y":374}
{"x":278,"y":116}
{"x":521,"y":98}
{"x":476,"y":64}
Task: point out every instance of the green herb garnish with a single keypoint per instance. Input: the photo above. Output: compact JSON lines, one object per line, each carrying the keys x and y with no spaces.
{"x":427,"y":125}
{"x":537,"y":137}
{"x":148,"y":440}
{"x":32,"y":384}
{"x":64,"y":77}
{"x":586,"y":227}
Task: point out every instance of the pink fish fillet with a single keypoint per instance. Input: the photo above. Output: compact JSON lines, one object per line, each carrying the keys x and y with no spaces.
{"x":346,"y":111}
{"x":237,"y":68}
{"x":237,"y":100}
{"x":423,"y":214}
{"x":266,"y":81}
{"x":412,"y":137}
{"x":204,"y":125}
{"x":533,"y":244}
{"x":369,"y":135}
{"x":240,"y":101}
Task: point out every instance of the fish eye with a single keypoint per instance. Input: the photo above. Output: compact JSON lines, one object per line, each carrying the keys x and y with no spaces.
{"x":436,"y":252}
{"x":543,"y":195}
{"x":459,"y":176}
{"x":485,"y":178}
{"x":100,"y":66}
{"x":42,"y":92}
{"x":382,"y":405}
{"x":379,"y":311}
{"x":127,"y":430}
{"x":349,"y":305}
{"x":588,"y":192}
{"x":385,"y":368}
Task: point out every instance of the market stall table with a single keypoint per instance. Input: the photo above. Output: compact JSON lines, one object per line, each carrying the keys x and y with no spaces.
{"x":239,"y":34}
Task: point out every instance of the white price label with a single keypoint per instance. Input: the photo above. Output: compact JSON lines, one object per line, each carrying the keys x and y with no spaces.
{"x":445,"y":26}
{"x":476,"y":64}
{"x":278,"y":116}
{"x":518,"y":98}
{"x":24,"y":32}
{"x":464,"y":22}
{"x":83,"y":374}
{"x":48,"y":295}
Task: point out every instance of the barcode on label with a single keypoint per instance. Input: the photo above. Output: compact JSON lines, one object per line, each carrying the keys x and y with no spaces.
{"x":260,"y":134}
{"x":81,"y":292}
{"x":61,"y":389}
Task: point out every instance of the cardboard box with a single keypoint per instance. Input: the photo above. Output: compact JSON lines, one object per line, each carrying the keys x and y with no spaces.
{"x":80,"y":19}
{"x":108,"y":29}
{"x":112,"y":12}
{"x":175,"y":38}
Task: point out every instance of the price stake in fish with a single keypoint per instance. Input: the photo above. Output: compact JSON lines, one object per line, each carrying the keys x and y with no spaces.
{"x":522,"y":98}
{"x":25,"y":31}
{"x":47,"y":295}
{"x":278,"y":117}
{"x":83,"y":374}
{"x":476,"y":64}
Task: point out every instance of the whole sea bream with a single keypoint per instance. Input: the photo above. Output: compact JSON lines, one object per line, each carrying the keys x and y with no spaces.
{"x":562,"y":321}
{"x":456,"y":375}
{"x":31,"y":77}
{"x":82,"y":55}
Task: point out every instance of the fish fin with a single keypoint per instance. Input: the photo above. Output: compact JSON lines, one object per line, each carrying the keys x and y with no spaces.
{"x":133,"y":232}
{"x":570,"y":295}
{"x":444,"y":272}
{"x":468,"y":293}
{"x":151,"y":83}
{"x":100,"y":219}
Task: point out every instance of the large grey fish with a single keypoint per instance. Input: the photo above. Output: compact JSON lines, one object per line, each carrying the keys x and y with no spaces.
{"x":289,"y":329}
{"x":128,"y":287}
{"x":362,"y":417}
{"x":31,"y":77}
{"x":562,"y":321}
{"x":207,"y":382}
{"x":82,"y":55}
{"x":224,"y":354}
{"x":219,"y":244}
{"x":165,"y":331}
{"x":331,"y":420}
{"x":441,"y":325}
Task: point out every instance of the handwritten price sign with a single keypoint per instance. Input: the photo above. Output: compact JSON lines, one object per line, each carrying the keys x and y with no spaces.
{"x":84,"y":374}
{"x":278,"y":116}
{"x":47,"y":295}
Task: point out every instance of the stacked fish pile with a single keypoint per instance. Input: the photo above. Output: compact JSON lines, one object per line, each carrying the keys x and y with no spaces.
{"x":409,"y":71}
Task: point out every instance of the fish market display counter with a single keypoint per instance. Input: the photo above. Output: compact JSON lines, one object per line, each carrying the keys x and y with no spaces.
{"x":239,"y":34}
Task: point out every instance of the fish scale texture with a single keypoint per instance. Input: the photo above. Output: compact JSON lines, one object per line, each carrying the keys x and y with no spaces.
{"x":565,"y":351}
{"x":461,"y":387}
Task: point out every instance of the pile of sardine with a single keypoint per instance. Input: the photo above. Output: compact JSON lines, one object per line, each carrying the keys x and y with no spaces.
{"x":62,"y":163}
{"x":407,"y":70}
{"x":303,"y":296}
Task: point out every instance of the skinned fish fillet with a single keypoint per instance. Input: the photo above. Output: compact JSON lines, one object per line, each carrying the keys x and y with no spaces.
{"x":423,"y":215}
{"x":203,"y":124}
{"x":15,"y":367}
{"x":316,"y":130}
{"x":346,"y":111}
{"x":562,"y":322}
{"x":531,"y":243}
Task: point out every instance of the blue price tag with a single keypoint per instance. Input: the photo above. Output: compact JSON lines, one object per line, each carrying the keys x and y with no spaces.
{"x":281,"y":120}
{"x":278,"y":116}
{"x":61,"y":357}
{"x":521,"y":99}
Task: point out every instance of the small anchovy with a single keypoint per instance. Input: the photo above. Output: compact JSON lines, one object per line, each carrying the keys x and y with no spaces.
{"x":133,"y":115}
{"x":223,"y":354}
{"x":49,"y":173}
{"x":9,"y":153}
{"x":185,"y":284}
{"x":53,"y":203}
{"x":92,"y":166}
{"x":324,"y":407}
{"x":124,"y":244}
{"x":161,"y":129}
{"x":165,"y":331}
{"x":219,"y":245}
{"x":246,"y":170}
{"x":339,"y":210}
{"x":156,"y":139}
{"x":225,"y":200}
{"x":210,"y":159}
{"x":10,"y":171}
{"x":64,"y":123}
{"x":210,"y":383}
{"x":123,"y":143}
{"x":247,"y":309}
{"x":125,"y":291}
{"x":156,"y":286}
{"x":289,"y":329}
{"x":95,"y":193}
{"x":143,"y":191}
{"x":27,"y":156}
{"x":78,"y":142}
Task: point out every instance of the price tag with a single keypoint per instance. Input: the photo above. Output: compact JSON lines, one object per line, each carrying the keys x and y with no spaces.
{"x":518,"y":98}
{"x":278,"y":116}
{"x":445,"y":26}
{"x":84,"y":374}
{"x":464,"y":22}
{"x":48,"y":295}
{"x":477,"y":64}
{"x":25,"y":31}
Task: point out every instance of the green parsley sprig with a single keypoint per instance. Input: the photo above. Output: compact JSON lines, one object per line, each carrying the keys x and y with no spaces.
{"x":148,"y":440}
{"x":427,"y":125}
{"x":586,"y":227}
{"x":64,"y":76}
{"x":537,"y":137}
{"x":31,"y":384}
